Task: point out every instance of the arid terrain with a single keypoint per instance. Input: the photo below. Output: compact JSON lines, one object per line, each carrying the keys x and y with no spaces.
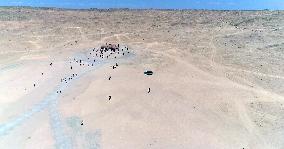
{"x":217,"y":83}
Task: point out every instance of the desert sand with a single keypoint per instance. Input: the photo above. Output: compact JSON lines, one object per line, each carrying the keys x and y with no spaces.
{"x":217,"y":79}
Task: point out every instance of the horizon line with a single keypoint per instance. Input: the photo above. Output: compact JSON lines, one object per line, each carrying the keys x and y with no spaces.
{"x":128,"y":8}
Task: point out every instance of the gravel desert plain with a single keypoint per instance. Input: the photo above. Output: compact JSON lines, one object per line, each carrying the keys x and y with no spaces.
{"x":217,"y":79}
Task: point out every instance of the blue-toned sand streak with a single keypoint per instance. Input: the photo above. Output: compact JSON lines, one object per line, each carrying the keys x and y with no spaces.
{"x":50,"y":102}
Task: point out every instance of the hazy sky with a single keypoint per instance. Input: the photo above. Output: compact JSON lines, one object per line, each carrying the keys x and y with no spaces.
{"x":175,"y":4}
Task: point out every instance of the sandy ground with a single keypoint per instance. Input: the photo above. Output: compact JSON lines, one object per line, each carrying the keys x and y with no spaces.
{"x":217,"y":82}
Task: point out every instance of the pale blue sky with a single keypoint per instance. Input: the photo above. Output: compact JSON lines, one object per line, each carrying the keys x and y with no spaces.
{"x":161,"y":4}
